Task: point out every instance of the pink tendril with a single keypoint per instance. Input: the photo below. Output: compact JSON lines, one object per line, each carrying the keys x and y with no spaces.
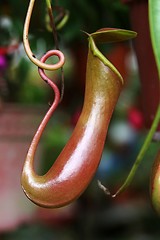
{"x":54,"y":105}
{"x":47,"y":79}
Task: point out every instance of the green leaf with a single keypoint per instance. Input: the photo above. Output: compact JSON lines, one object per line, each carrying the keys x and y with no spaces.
{"x":154,"y":21}
{"x":108,"y":35}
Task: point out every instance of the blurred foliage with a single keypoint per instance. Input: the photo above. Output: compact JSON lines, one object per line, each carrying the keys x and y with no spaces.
{"x":85,"y":15}
{"x":93,"y":15}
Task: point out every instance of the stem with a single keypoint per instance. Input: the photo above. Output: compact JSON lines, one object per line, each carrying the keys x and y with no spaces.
{"x":52,"y":22}
{"x":37,"y":136}
{"x":27,"y":45}
{"x":48,"y":3}
{"x":141,"y":154}
{"x":156,"y":119}
{"x":63,"y":21}
{"x":139,"y":158}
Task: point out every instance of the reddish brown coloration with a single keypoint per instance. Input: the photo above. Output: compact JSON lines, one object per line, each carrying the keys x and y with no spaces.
{"x":146,"y":61}
{"x":76,"y":165}
{"x":155,"y":184}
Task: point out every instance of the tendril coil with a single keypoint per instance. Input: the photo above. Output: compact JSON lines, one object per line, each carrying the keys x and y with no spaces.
{"x":37,"y":136}
{"x":28,"y":50}
{"x":42,"y":66}
{"x":57,"y":95}
{"x":47,"y":79}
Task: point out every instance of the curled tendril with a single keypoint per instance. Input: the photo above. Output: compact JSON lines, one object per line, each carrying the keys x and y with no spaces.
{"x":49,"y":81}
{"x":61,"y":18}
{"x":54,"y":105}
{"x":27,"y":48}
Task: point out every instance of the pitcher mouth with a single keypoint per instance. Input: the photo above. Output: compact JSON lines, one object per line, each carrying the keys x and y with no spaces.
{"x":108,"y":35}
{"x":104,"y":60}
